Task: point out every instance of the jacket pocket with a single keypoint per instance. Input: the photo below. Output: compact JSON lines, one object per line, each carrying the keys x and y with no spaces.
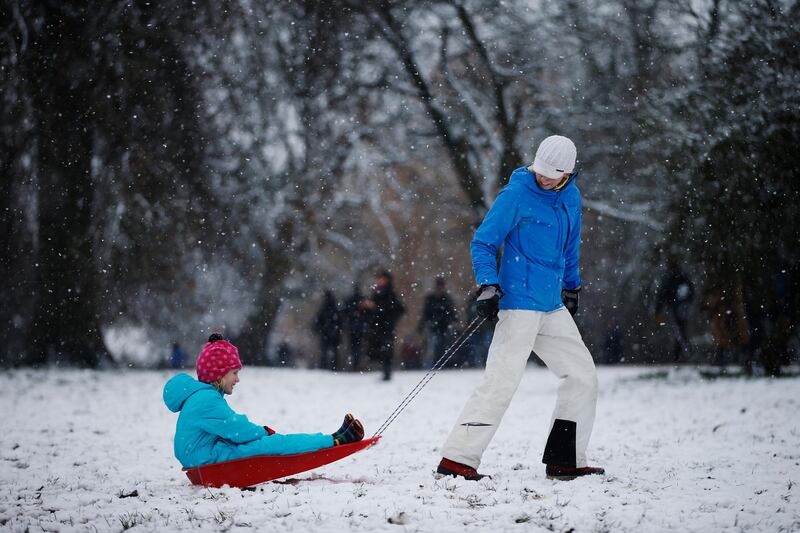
{"x":539,"y":239}
{"x":544,"y":286}
{"x":513,"y":279}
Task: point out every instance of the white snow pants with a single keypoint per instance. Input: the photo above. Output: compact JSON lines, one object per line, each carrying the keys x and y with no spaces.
{"x":556,"y":340}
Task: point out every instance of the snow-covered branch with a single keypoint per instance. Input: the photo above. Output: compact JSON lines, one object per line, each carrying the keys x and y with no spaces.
{"x":629,"y":216}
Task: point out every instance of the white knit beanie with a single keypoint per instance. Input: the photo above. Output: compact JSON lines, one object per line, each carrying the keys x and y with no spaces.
{"x":555,"y":156}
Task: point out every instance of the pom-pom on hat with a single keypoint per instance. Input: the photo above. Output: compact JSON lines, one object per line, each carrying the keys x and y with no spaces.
{"x":217,"y":358}
{"x":555,"y":156}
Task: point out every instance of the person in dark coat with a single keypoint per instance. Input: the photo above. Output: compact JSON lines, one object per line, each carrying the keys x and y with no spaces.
{"x":674,"y":298}
{"x":284,"y":355}
{"x":477,"y":346}
{"x":613,"y":345}
{"x":178,"y":357}
{"x":383,"y":309}
{"x":356,"y":325}
{"x":438,"y":315}
{"x":328,"y":325}
{"x":728,"y":322}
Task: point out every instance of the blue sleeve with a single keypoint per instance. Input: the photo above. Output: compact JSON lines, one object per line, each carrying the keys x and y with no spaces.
{"x":499,"y":221}
{"x":572,"y":275}
{"x":219,"y":419}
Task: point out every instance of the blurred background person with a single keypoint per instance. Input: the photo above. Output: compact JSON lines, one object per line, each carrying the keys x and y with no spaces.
{"x":613,"y":344}
{"x":383,"y":310}
{"x":673,"y":300}
{"x":355,"y":324}
{"x":410,"y":353}
{"x":438,"y":316}
{"x":328,"y":325}
{"x":178,"y":357}
{"x":477,"y":346}
{"x":284,"y":355}
{"x":724,"y":303}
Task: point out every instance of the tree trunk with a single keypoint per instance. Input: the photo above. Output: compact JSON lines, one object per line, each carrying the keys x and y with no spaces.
{"x":16,"y":264}
{"x":66,"y":325}
{"x":253,"y":339}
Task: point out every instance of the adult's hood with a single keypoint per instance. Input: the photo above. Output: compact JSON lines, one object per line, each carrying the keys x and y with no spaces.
{"x":178,"y":389}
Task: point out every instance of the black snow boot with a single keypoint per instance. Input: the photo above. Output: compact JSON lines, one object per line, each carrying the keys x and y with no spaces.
{"x":567,"y":473}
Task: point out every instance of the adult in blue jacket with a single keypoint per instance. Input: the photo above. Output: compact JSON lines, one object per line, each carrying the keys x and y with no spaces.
{"x":536,"y":219}
{"x":209,"y":431}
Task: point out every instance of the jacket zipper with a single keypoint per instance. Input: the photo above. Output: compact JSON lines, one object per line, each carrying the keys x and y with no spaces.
{"x":557,"y":208}
{"x":560,"y":231}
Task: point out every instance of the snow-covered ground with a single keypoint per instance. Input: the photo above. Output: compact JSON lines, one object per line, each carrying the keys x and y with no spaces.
{"x":92,"y":451}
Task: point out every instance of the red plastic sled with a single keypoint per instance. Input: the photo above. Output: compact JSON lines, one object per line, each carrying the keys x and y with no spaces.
{"x":251,"y":471}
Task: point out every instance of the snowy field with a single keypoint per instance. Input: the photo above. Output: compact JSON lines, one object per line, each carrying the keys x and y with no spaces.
{"x":92,"y":451}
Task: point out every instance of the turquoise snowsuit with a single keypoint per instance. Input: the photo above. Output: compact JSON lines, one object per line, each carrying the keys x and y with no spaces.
{"x":209,"y":431}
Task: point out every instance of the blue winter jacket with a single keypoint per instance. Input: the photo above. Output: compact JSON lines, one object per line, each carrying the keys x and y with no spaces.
{"x":540,"y":232}
{"x":209,"y":431}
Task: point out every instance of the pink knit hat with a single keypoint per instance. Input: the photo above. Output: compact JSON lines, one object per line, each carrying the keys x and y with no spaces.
{"x":216,"y":359}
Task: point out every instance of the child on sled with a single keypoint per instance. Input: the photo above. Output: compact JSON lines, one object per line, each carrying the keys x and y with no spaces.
{"x":209,"y":431}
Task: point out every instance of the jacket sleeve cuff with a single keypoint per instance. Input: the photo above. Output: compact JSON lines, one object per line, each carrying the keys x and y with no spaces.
{"x":488,"y":280}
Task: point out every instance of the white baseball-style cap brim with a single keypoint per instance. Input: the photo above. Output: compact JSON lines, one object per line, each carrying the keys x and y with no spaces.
{"x":547,"y":170}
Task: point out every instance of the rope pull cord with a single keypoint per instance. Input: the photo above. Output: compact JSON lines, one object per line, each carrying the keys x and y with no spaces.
{"x":476,"y":323}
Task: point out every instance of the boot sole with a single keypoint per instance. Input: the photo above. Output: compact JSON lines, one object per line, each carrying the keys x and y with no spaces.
{"x":440,"y":473}
{"x":570,"y":477}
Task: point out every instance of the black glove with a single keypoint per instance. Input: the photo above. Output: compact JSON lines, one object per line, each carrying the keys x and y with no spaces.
{"x":489,"y":301}
{"x":570,"y":299}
